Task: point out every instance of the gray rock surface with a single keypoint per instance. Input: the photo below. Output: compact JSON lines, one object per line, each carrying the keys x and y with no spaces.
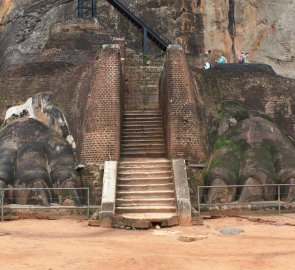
{"x":231,"y":230}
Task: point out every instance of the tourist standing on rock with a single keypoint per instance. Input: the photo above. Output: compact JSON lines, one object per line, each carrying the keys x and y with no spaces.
{"x":242,"y":58}
{"x":222,"y":60}
{"x":207,"y":66}
{"x":247,"y":58}
{"x":208,"y":54}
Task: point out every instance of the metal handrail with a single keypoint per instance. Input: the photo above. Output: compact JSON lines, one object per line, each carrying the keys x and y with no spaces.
{"x":156,"y":31}
{"x":151,"y":30}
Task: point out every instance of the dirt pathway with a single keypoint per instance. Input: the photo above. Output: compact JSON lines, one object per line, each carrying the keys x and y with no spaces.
{"x":71,"y":244}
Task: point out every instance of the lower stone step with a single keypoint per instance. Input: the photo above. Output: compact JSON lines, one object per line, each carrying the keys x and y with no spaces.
{"x":146,"y":194}
{"x":132,"y":181}
{"x":146,"y":167}
{"x":146,"y":209}
{"x":144,"y":202}
{"x":145,"y":161}
{"x":145,"y":174}
{"x":145,"y":187}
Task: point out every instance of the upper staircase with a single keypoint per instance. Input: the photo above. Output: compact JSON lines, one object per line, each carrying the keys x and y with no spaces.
{"x":86,"y":9}
{"x":143,"y":135}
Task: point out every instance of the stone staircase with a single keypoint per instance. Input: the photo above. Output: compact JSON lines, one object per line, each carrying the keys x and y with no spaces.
{"x":143,"y":134}
{"x":145,"y":185}
{"x":144,"y":188}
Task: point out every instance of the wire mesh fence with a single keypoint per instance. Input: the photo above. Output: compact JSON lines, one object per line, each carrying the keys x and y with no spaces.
{"x":275,"y":198}
{"x":44,"y":199}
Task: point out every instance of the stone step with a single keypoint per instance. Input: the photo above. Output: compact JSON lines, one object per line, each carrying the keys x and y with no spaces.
{"x":134,"y":118}
{"x":144,"y":180}
{"x":136,"y":144}
{"x":145,"y":202}
{"x":154,"y":168}
{"x":146,"y":209}
{"x":142,"y":113}
{"x":142,"y":128}
{"x":144,"y":174}
{"x":144,"y":187}
{"x":141,"y":125}
{"x":143,"y":148}
{"x":143,"y":134}
{"x":156,"y":217}
{"x":153,"y":154}
{"x":142,"y":120}
{"x":146,"y":140}
{"x":146,"y":194}
{"x":143,"y":151}
{"x":145,"y":162}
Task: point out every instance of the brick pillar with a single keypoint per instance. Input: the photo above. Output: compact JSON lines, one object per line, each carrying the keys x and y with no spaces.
{"x":121,"y":43}
{"x":185,"y":135}
{"x":101,"y":125}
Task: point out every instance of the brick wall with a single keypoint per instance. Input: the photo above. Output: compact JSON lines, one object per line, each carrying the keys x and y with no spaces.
{"x":101,"y":124}
{"x":182,"y":109}
{"x":67,"y":83}
{"x":141,"y":81}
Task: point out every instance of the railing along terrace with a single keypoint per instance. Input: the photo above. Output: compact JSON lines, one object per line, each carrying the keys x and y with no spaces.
{"x":277,"y":197}
{"x":44,"y":199}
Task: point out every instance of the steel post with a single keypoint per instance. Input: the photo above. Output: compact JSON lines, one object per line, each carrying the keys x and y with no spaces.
{"x":199,"y":200}
{"x":145,"y":40}
{"x":279,"y":198}
{"x":92,"y":8}
{"x":79,"y":7}
{"x":2,"y":204}
{"x":88,"y":203}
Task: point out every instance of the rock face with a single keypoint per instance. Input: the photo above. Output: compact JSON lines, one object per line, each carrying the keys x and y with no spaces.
{"x":25,"y":26}
{"x":248,"y":150}
{"x":263,"y":28}
{"x":179,"y":21}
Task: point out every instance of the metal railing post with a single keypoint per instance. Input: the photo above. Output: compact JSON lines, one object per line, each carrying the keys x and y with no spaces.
{"x":92,"y":8}
{"x":2,"y":204}
{"x":145,"y":40}
{"x":88,"y":203}
{"x":199,"y":201}
{"x":79,"y":8}
{"x":279,"y":198}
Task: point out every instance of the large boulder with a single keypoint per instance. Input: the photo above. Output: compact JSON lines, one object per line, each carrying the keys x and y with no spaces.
{"x":248,"y":149}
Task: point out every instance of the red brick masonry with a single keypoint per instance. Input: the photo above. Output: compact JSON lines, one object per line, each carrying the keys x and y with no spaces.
{"x":185,"y":134}
{"x":101,"y":125}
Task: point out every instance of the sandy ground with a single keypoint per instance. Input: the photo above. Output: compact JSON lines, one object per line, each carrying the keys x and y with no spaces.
{"x":72,"y":244}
